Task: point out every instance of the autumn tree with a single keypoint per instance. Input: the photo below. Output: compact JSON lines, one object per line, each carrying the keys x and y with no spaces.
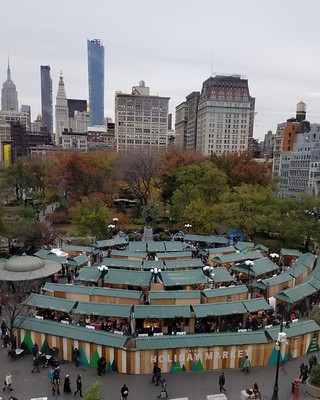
{"x":251,"y":208}
{"x":243,"y":168}
{"x":203,"y":182}
{"x":93,"y":218}
{"x":172,"y":161}
{"x":200,"y":215}
{"x":17,"y":177}
{"x":136,"y":171}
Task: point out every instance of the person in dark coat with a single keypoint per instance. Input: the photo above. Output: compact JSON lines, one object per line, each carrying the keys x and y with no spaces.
{"x":222,"y":381}
{"x":101,"y":366}
{"x":154,"y":372}
{"x":124,"y":392}
{"x":158,"y":376}
{"x":79,"y":385}
{"x":67,"y":385}
{"x":304,"y":374}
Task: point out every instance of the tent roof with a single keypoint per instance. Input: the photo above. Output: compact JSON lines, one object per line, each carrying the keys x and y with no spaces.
{"x":254,"y":305}
{"x":260,"y":267}
{"x":206,"y":239}
{"x":80,"y":249}
{"x":78,"y":261}
{"x":103,"y":309}
{"x":162,"y":312}
{"x":296,"y":329}
{"x":149,"y":264}
{"x":200,"y":340}
{"x":238,"y":257}
{"x":121,"y":263}
{"x":225,"y":291}
{"x":174,"y":294}
{"x":221,"y":274}
{"x":129,"y":254}
{"x":100,"y":244}
{"x":137,"y":246}
{"x":225,"y":249}
{"x":274,"y":280}
{"x":89,"y":274}
{"x":243,"y":245}
{"x":69,"y":331}
{"x":185,"y":277}
{"x":218,"y":309}
{"x":127,"y":277}
{"x":49,"y":302}
{"x":182,"y":264}
{"x":290,"y":252}
{"x":173,"y":245}
{"x":296,"y":293}
{"x":176,"y":254}
{"x":156,"y":247}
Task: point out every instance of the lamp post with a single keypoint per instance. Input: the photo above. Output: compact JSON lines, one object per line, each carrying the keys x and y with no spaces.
{"x":111,"y":228}
{"x":281,"y":340}
{"x":115,"y":221}
{"x":188,"y":226}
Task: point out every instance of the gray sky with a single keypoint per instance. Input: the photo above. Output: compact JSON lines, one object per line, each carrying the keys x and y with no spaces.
{"x":173,"y":45}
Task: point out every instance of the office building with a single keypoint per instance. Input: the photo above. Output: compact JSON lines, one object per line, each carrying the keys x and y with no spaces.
{"x":46,"y":101}
{"x":27,"y":109}
{"x":96,"y":81}
{"x":62,"y":113}
{"x":141,"y":120}
{"x":9,"y":95}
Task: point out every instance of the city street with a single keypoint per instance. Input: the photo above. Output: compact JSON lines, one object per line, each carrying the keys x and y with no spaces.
{"x":194,"y":385}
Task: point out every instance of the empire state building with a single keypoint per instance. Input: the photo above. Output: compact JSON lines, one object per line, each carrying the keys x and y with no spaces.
{"x":9,"y":95}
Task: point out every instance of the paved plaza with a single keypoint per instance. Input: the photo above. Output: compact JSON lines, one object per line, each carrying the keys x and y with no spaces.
{"x":194,"y":385}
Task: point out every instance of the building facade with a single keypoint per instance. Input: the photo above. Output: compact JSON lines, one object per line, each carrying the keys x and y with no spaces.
{"x":62,"y":113}
{"x":96,"y":81}
{"x":75,"y":141}
{"x":9,"y":95}
{"x":46,"y":100}
{"x":141,"y":120}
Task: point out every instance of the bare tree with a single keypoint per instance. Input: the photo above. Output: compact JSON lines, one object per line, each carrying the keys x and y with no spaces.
{"x":136,"y":170}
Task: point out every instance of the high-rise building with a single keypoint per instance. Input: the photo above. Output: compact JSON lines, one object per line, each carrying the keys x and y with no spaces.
{"x":62,"y":114}
{"x":141,"y":120}
{"x":96,"y":81}
{"x":225,"y":116}
{"x":46,"y":100}
{"x":25,"y":108}
{"x":9,"y":95}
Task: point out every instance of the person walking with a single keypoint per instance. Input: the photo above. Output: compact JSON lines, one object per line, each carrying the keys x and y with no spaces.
{"x":301,"y":370}
{"x":222,"y":381}
{"x":8,"y":382}
{"x":154,"y":372}
{"x":256,"y":392}
{"x":76,"y":355}
{"x":56,"y":386}
{"x":158,"y":376}
{"x":79,"y":385}
{"x":246,"y":365}
{"x":67,"y":385}
{"x":36,"y":362}
{"x":164,"y":392}
{"x":124,"y":392}
{"x":304,"y":374}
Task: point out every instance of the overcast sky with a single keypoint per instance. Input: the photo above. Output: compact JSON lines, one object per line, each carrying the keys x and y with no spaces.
{"x":173,"y":45}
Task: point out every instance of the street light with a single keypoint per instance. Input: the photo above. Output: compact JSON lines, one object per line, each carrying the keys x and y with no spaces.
{"x":115,"y":221}
{"x":111,"y":228}
{"x":188,"y":226}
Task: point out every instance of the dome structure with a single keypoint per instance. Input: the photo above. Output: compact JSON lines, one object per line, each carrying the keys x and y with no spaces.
{"x":26,"y":268}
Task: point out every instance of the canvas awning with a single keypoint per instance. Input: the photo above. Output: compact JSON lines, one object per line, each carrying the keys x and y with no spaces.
{"x":78,"y":261}
{"x":121,"y":263}
{"x":183,"y":277}
{"x":183,"y":264}
{"x":89,"y":274}
{"x":100,"y":244}
{"x":221,"y":274}
{"x":127,"y":277}
{"x":255,"y":305}
{"x":219,"y":309}
{"x":296,"y":293}
{"x":49,"y":302}
{"x":103,"y":309}
{"x":225,"y":291}
{"x":161,"y":312}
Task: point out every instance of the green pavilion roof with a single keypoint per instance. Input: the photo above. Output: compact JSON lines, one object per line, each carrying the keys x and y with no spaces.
{"x":183,"y":264}
{"x":225,"y":291}
{"x":80,"y":249}
{"x":173,"y":294}
{"x":127,"y":277}
{"x":89,"y":274}
{"x":290,"y":252}
{"x":206,"y":239}
{"x":100,"y":244}
{"x":181,"y":278}
{"x":103,"y":309}
{"x":219,"y":309}
{"x":162,"y":312}
{"x":221,"y":274}
{"x":238,"y":257}
{"x":78,"y":261}
{"x":128,"y":254}
{"x":49,"y":302}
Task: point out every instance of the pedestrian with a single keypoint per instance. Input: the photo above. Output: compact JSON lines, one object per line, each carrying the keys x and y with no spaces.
{"x":8,"y":382}
{"x":315,"y":360}
{"x":36,"y":362}
{"x":301,"y":370}
{"x":79,"y":385}
{"x":158,"y":376}
{"x":67,"y":385}
{"x":76,"y":355}
{"x":154,"y":372}
{"x":246,"y":365}
{"x":304,"y":374}
{"x":101,"y":366}
{"x":35,"y":350}
{"x":124,"y":392}
{"x":56,"y":386}
{"x":222,"y":381}
{"x":256,"y":392}
{"x":164,"y":392}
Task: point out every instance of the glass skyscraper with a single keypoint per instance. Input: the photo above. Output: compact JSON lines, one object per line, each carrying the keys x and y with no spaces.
{"x":96,"y":81}
{"x":46,"y":100}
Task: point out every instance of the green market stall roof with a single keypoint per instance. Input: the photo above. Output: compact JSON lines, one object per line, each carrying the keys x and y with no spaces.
{"x":219,"y":309}
{"x":296,"y":329}
{"x":200,"y":340}
{"x":183,"y":264}
{"x":242,"y":246}
{"x":77,"y":249}
{"x":103,"y":309}
{"x":156,"y":247}
{"x":182,"y":278}
{"x":50,"y":303}
{"x":89,"y":274}
{"x":297,"y":293}
{"x":225,"y":291}
{"x":217,"y":239}
{"x":73,"y":332}
{"x":129,"y":254}
{"x":162,"y":312}
{"x":221,"y":274}
{"x":225,"y":249}
{"x":173,"y":246}
{"x":173,"y":294}
{"x":255,"y":305}
{"x":149,"y":264}
{"x":26,"y":268}
{"x":274,"y":280}
{"x":137,"y":246}
{"x":92,"y":290}
{"x":290,"y":252}
{"x":101,"y":244}
{"x":260,"y":267}
{"x":261,"y":247}
{"x":127,"y":277}
{"x":121,"y":263}
{"x":78,"y":261}
{"x":237,"y":257}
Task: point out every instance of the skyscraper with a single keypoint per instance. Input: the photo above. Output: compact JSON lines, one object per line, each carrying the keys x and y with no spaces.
{"x":62,"y":114}
{"x":96,"y":81}
{"x":46,"y":100}
{"x":9,"y":95}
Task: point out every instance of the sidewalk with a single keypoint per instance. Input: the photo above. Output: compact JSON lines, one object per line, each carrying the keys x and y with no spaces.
{"x":194,"y":385}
